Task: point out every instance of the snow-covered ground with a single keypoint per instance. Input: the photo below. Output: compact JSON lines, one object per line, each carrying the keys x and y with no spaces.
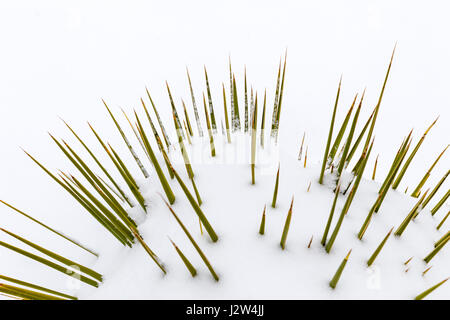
{"x":60,"y":59}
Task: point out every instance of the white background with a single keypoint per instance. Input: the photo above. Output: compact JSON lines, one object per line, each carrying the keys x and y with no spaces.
{"x":59,"y":58}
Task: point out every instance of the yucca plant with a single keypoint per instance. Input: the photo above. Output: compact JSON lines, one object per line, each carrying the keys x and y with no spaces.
{"x":194,"y":243}
{"x":440,"y":203}
{"x":334,"y":281}
{"x":330,"y":217}
{"x":66,"y":270}
{"x":330,"y":135}
{"x":194,"y":106}
{"x":253,"y":142}
{"x":58,"y":233}
{"x":168,"y":191}
{"x":287,"y":224}
{"x":179,"y":130}
{"x":378,"y":249}
{"x":41,"y":293}
{"x":411,"y":156}
{"x":430,"y":290}
{"x":225,"y":111}
{"x":104,"y":199}
{"x":185,"y":260}
{"x":341,"y":133}
{"x":443,"y":221}
{"x":211,"y":107}
{"x":435,"y":189}
{"x":416,"y":191}
{"x":411,"y":215}
{"x":210,"y":131}
{"x":161,"y":125}
{"x":275,"y":191}
{"x":127,"y":142}
{"x":262,"y":226}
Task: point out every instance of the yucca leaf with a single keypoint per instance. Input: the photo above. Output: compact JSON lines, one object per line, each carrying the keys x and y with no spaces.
{"x":378,"y":249}
{"x":443,"y":221}
{"x":300,"y":152}
{"x":263,"y":121}
{"x":411,"y":156}
{"x":377,"y":107}
{"x":287,"y":224}
{"x":430,"y":290}
{"x":445,"y":236}
{"x":330,"y":135}
{"x":211,"y":108}
{"x":391,"y":177}
{"x":275,"y":191}
{"x":36,"y":287}
{"x":179,"y":131}
{"x":280,"y":100}
{"x":111,"y":188}
{"x":49,"y":228}
{"x":107,"y":213}
{"x":225,"y":111}
{"x":401,"y":228}
{"x":236,"y":120}
{"x":350,"y":137}
{"x":416,"y":191}
{"x":196,"y":208}
{"x":262,"y":226}
{"x":401,"y":153}
{"x":440,"y":203}
{"x":426,"y":270}
{"x":330,"y":217}
{"x":197,"y":118}
{"x":350,"y":197}
{"x":131,"y":182}
{"x":26,"y":294}
{"x":161,"y":125}
{"x":233,"y":116}
{"x":95,"y":182}
{"x":435,"y":189}
{"x":100,"y":166}
{"x":191,"y":132}
{"x":168,"y":191}
{"x":306,"y":157}
{"x":334,"y":281}
{"x":97,"y":215}
{"x":375,"y":168}
{"x":197,"y":194}
{"x":127,"y":142}
{"x":188,"y":135}
{"x":152,"y":255}
{"x":194,"y":243}
{"x":275,"y":104}
{"x":97,"y":276}
{"x":50,"y":264}
{"x":364,"y":159}
{"x":210,"y":132}
{"x":360,"y":136}
{"x":117,"y":230}
{"x":253,"y":146}
{"x":185,"y":260}
{"x":135,"y":131}
{"x":341,"y":132}
{"x":157,"y":138}
{"x":245,"y":101}
{"x":407,"y":261}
